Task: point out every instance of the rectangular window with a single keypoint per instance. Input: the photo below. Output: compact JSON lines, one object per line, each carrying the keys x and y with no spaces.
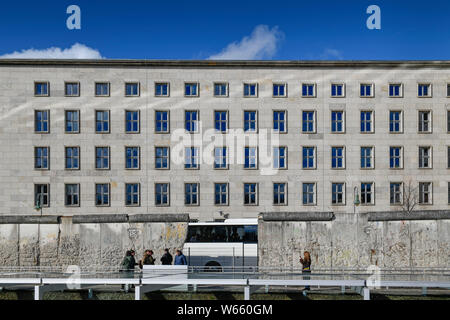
{"x":41,"y":89}
{"x":448,"y":157}
{"x":448,"y":121}
{"x":395,"y":90}
{"x":337,"y":122}
{"x":367,"y":193}
{"x":221,"y":89}
{"x":395,"y":158}
{"x":131,"y":89}
{"x":41,"y":158}
{"x":102,"y":121}
{"x":162,"y":89}
{"x":191,"y":121}
{"x":338,"y":193}
{"x":367,"y":158}
{"x":162,"y":157}
{"x":367,"y":121}
{"x":425,"y":193}
{"x":250,"y":90}
{"x":162,"y":122}
{"x":279,"y":121}
{"x":42,"y":121}
{"x":396,"y":193}
{"x":250,"y":121}
{"x":424,"y":90}
{"x":42,"y":195}
{"x":132,"y":157}
{"x":191,"y":194}
{"x":72,"y":89}
{"x":102,"y":89}
{"x":308,"y":90}
{"x":280,"y":158}
{"x":191,"y":156}
{"x":425,"y":121}
{"x":102,"y":194}
{"x":309,"y":194}
{"x":72,"y":195}
{"x":251,"y":158}
{"x":221,"y":121}
{"x":279,"y":90}
{"x":337,"y":157}
{"x":220,"y":158}
{"x":366,"y":90}
{"x":73,"y":158}
{"x":162,"y":194}
{"x":309,"y":121}
{"x":221,"y":194}
{"x":132,"y":194}
{"x":102,"y":158}
{"x":191,"y":90}
{"x":425,"y":157}
{"x":337,"y":90}
{"x":132,"y":121}
{"x":72,"y":121}
{"x":308,"y":157}
{"x":250,"y":194}
{"x":279,"y":193}
{"x":395,"y":122}
{"x":448,"y":90}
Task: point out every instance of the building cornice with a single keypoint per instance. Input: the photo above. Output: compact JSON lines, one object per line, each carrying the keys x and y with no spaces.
{"x":289,"y":64}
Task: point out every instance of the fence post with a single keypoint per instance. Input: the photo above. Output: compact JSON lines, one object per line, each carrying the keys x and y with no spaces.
{"x":233,"y":258}
{"x":243,"y":256}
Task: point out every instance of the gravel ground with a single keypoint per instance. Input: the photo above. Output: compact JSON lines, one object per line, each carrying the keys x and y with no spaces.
{"x":214,"y":293}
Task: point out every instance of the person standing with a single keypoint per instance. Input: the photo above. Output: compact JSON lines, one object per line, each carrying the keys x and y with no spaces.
{"x":306,"y":262}
{"x":166,"y":259}
{"x":180,"y":259}
{"x":127,"y":267}
{"x":147,"y":259}
{"x":128,"y":261}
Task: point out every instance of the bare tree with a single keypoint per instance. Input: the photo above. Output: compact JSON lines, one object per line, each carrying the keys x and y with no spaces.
{"x":410,"y":197}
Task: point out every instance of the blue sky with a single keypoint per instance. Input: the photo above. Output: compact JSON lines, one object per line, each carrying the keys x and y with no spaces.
{"x":197,"y":29}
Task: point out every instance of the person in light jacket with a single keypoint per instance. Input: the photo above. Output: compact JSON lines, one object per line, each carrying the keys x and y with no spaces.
{"x":180,"y":259}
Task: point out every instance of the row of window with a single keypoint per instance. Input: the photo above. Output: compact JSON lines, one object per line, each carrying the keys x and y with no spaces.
{"x":397,"y":194}
{"x":221,"y":89}
{"x":192,"y":157}
{"x":192,"y":119}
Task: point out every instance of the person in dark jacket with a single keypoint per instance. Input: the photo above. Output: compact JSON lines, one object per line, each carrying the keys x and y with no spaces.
{"x":306,"y":262}
{"x":166,"y":259}
{"x":128,"y":262}
{"x":180,"y":259}
{"x":147,"y":259}
{"x":127,"y":267}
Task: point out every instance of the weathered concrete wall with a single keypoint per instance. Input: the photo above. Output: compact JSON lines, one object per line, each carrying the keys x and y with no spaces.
{"x":86,"y":244}
{"x":352,"y":241}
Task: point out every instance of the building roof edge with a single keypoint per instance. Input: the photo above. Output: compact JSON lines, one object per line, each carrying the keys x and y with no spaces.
{"x":231,"y":63}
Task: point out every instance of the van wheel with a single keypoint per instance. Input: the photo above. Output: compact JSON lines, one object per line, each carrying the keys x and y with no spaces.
{"x":212,"y":266}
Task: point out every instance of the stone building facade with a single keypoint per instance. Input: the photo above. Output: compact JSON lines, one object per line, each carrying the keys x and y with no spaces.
{"x":343,"y":114}
{"x":99,"y":147}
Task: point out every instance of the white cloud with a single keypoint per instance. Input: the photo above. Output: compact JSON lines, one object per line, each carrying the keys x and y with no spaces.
{"x":262,"y":43}
{"x":77,"y":51}
{"x":331,"y":54}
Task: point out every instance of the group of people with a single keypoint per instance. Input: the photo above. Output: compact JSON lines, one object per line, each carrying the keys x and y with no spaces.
{"x":129,"y":262}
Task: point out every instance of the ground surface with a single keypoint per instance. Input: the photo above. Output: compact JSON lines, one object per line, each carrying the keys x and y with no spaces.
{"x":211,"y":294}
